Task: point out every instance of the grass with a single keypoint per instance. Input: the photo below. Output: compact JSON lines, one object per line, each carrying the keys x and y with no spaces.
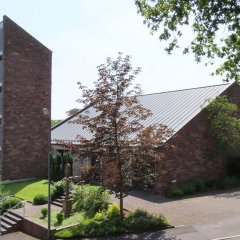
{"x":27,"y":189}
{"x":74,"y":219}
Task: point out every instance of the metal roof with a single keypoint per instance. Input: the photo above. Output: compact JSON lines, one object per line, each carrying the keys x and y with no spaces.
{"x":173,"y":109}
{"x":1,"y":37}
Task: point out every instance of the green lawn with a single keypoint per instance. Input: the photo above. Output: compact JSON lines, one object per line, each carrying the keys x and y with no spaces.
{"x":27,"y":190}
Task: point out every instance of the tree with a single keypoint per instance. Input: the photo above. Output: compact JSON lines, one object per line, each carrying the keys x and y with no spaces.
{"x":55,"y":122}
{"x":72,"y":111}
{"x":225,"y":126}
{"x":119,"y":139}
{"x":215,"y":23}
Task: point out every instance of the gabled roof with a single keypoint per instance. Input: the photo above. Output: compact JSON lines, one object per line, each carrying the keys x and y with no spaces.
{"x":173,"y":109}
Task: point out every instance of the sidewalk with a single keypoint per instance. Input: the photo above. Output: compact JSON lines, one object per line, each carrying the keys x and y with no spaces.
{"x":31,"y":210}
{"x":17,"y":236}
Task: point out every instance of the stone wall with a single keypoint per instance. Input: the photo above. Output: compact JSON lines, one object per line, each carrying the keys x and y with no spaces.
{"x":26,"y":91}
{"x":190,"y":156}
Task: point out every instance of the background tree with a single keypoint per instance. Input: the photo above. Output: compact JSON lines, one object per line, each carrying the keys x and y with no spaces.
{"x":117,"y":129}
{"x":225,"y":126}
{"x":215,"y":23}
{"x":57,"y":164}
{"x":55,"y":122}
{"x":72,"y":111}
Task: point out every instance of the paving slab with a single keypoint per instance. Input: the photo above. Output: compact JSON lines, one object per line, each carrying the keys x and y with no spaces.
{"x":17,"y":236}
{"x":200,"y":209}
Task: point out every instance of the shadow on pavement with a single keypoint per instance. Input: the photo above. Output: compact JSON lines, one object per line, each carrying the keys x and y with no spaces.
{"x":144,"y":236}
{"x":155,"y":198}
{"x":149,"y":196}
{"x":234,"y":193}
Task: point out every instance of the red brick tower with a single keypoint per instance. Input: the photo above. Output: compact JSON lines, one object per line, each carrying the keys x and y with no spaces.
{"x":25,"y":78}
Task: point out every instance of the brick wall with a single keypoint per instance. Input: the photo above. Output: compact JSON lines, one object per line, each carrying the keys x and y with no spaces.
{"x":26,"y":90}
{"x":190,"y":156}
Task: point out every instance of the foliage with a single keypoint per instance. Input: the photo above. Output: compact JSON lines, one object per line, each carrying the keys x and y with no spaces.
{"x":233,"y":166}
{"x":71,"y":220}
{"x":100,"y":216}
{"x":225,"y":127}
{"x":27,"y":189}
{"x":100,"y":225}
{"x":1,"y":189}
{"x":215,"y":24}
{"x":60,"y":218}
{"x":140,"y":220}
{"x":119,"y":140}
{"x":40,"y":199}
{"x":90,"y":199}
{"x":188,"y":188}
{"x":210,"y":184}
{"x":227,"y":183}
{"x":44,"y":212}
{"x":72,"y":111}
{"x":9,"y":202}
{"x":143,"y":175}
{"x":58,"y":189}
{"x":199,"y":184}
{"x":55,"y":122}
{"x":175,"y":192}
{"x":113,"y":211}
{"x":57,"y":164}
{"x":3,"y":193}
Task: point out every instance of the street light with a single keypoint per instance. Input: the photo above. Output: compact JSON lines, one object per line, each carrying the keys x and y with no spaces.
{"x":47,"y":115}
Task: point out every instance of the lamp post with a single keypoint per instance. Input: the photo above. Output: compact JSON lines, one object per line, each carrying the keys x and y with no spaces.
{"x":47,"y":115}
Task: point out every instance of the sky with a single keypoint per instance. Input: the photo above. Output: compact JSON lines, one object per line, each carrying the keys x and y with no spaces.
{"x":83,"y":33}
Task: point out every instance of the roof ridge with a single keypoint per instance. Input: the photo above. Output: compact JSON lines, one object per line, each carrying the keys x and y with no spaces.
{"x":178,"y":90}
{"x":70,"y":117}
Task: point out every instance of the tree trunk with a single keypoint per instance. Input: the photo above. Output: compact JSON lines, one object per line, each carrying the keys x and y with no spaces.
{"x":121,"y":205}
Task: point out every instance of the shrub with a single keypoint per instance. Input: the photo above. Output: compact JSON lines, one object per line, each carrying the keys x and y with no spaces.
{"x":211,"y":183}
{"x":60,"y":218}
{"x":53,"y":192}
{"x":90,"y":199}
{"x":100,"y":216}
{"x":1,"y":188}
{"x":233,"y":166}
{"x":57,"y":189}
{"x":227,"y":182}
{"x":199,"y":184}
{"x":113,"y":211}
{"x":44,"y":212}
{"x":188,"y":188}
{"x":137,"y":220}
{"x":176,"y":192}
{"x":40,"y":199}
{"x":10,"y":202}
{"x":140,"y":220}
{"x":60,"y":187}
{"x":137,"y":213}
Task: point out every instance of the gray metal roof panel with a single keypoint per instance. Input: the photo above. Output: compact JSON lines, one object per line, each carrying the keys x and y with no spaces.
{"x":174,"y":109}
{"x":1,"y":37}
